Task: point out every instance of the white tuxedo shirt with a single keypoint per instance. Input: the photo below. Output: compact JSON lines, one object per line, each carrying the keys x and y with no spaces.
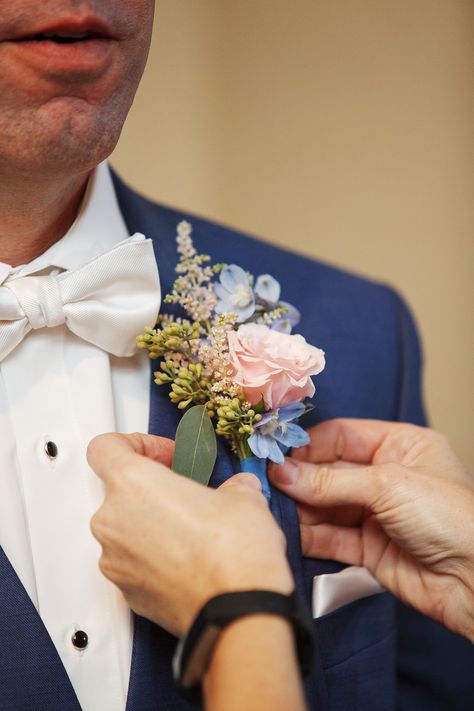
{"x":55,"y":387}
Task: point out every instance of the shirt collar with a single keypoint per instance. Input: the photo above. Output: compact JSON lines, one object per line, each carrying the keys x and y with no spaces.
{"x":98,"y":226}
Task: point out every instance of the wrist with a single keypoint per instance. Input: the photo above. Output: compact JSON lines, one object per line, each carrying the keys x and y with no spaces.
{"x":265,"y":575}
{"x":222,"y":581}
{"x":262,"y":627}
{"x":254,"y":655}
{"x":195,"y":651}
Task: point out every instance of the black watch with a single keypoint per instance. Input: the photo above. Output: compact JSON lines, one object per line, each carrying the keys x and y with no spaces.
{"x":194,"y":651}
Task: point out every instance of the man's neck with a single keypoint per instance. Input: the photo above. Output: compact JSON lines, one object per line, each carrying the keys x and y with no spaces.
{"x":33,"y":216}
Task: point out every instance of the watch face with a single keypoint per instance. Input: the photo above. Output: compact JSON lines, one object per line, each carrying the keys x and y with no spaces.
{"x":196,"y":665}
{"x":177,"y":659}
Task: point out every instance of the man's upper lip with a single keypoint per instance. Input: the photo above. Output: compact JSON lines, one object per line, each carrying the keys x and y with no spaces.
{"x":88,"y":25}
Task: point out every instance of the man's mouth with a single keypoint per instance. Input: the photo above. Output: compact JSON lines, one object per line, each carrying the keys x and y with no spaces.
{"x":64,"y":37}
{"x":65,"y":31}
{"x":65,"y":46}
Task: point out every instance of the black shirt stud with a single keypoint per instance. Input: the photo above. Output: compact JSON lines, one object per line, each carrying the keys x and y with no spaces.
{"x":80,"y":639}
{"x":51,"y":449}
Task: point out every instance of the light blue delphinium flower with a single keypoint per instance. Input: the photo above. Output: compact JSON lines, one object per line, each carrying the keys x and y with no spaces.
{"x":288,"y":320}
{"x":276,"y":430}
{"x":268,"y":290}
{"x":234,"y":293}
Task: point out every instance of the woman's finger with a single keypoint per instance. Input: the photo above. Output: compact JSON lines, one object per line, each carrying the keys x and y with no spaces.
{"x":324,"y":486}
{"x":330,"y":542}
{"x":110,"y":453}
{"x":250,"y":481}
{"x":352,"y":440}
{"x":341,"y":515}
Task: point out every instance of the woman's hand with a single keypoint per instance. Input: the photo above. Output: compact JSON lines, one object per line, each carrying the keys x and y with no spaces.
{"x":395,"y":499}
{"x":171,"y":544}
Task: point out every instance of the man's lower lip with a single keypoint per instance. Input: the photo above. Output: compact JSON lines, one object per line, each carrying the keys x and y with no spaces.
{"x":82,"y":56}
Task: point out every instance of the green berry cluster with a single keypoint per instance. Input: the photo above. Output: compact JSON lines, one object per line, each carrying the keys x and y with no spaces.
{"x":188,"y":385}
{"x":174,"y":337}
{"x":235,"y":421}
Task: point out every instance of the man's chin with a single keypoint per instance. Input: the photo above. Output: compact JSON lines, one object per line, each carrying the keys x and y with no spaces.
{"x":68,"y":135}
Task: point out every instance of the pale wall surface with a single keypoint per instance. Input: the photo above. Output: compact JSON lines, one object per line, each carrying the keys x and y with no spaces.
{"x":340,"y":127}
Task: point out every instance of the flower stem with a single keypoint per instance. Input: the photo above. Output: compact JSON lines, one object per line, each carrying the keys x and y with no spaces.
{"x":242,"y":449}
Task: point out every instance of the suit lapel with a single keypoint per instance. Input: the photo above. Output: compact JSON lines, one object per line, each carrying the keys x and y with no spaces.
{"x":32,"y":675}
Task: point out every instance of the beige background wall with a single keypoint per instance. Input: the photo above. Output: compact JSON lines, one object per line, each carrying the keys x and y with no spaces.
{"x":342,"y":127}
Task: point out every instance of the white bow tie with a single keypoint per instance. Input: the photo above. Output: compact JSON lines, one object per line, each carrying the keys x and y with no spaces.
{"x":108,"y":301}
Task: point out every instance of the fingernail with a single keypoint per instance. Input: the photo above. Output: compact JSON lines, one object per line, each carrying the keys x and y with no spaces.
{"x":286,"y":473}
{"x":243,"y":479}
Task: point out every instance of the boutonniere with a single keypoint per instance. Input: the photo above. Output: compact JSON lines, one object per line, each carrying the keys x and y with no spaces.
{"x":233,"y":363}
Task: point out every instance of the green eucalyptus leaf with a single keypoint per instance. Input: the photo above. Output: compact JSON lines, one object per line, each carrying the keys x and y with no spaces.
{"x":196,"y":447}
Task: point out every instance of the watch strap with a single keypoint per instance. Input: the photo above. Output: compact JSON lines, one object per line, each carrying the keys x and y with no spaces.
{"x":194,"y":651}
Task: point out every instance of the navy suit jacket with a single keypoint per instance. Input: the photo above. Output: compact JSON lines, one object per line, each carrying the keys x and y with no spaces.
{"x":371,"y":655}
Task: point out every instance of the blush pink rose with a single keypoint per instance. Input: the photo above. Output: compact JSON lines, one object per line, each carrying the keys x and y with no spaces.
{"x":272,"y":365}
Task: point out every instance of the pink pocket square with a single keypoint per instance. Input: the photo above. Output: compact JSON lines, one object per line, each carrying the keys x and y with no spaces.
{"x":334,"y":590}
